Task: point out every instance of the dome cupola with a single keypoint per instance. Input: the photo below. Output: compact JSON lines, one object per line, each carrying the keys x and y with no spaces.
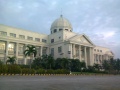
{"x":61,"y":24}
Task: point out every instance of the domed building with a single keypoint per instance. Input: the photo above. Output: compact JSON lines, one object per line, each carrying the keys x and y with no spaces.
{"x":61,"y":43}
{"x":61,"y":24}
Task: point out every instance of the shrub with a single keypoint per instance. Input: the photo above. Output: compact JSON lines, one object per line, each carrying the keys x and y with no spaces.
{"x":61,"y":71}
{"x":13,"y":69}
{"x":28,"y":71}
{"x":40,"y":71}
{"x":50,"y":71}
{"x":3,"y":69}
{"x":24,"y":66}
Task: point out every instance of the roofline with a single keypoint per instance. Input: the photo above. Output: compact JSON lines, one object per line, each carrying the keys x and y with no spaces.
{"x":21,"y":29}
{"x":88,"y":39}
{"x":102,"y":46}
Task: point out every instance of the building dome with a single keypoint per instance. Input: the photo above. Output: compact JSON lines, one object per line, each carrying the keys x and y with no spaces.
{"x":61,"y":24}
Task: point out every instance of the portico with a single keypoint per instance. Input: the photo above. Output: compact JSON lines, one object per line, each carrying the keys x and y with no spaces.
{"x":83,"y":53}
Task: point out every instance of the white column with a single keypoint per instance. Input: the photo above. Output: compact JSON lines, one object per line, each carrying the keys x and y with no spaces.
{"x":70,"y":51}
{"x":16,"y":53}
{"x":98,"y":59}
{"x":91,"y":56}
{"x":80,"y":52}
{"x":6,"y":51}
{"x":102,"y":57}
{"x":73,"y":51}
{"x":85,"y":55}
{"x":94,"y":58}
{"x":24,"y":47}
{"x":41,"y":51}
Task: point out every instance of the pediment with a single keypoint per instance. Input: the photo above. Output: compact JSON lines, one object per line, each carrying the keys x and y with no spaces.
{"x":83,"y":39}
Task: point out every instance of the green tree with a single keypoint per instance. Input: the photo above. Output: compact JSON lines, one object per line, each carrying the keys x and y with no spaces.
{"x":48,"y":61}
{"x":31,"y":52}
{"x":37,"y":63}
{"x":1,"y":63}
{"x":97,"y":67}
{"x":11,"y":60}
{"x":83,"y":64}
{"x":62,"y":63}
{"x":112,"y":63}
{"x":117,"y":65}
{"x":106,"y":65}
{"x":75,"y":65}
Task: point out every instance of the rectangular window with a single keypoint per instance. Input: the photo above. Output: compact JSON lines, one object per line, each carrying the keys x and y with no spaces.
{"x":11,"y":46}
{"x":2,"y":47}
{"x":55,"y":30}
{"x":77,"y":52}
{"x":60,"y":29}
{"x":94,"y":49}
{"x":2,"y":59}
{"x":20,"y":61}
{"x":52,"y":51}
{"x":38,"y":50}
{"x":66,"y":29}
{"x":2,"y":33}
{"x":98,"y":50}
{"x":52,"y":40}
{"x":37,"y":39}
{"x":21,"y":36}
{"x":12,"y":35}
{"x":60,"y":49}
{"x":44,"y":51}
{"x":43,"y":40}
{"x":29,"y":38}
{"x":20,"y":49}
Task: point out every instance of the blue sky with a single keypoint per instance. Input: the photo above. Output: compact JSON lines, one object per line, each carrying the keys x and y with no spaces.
{"x":98,"y":19}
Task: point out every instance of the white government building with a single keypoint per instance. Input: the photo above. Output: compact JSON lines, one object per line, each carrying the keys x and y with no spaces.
{"x":61,"y":43}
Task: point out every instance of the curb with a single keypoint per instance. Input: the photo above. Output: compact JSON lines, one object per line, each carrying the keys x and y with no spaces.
{"x":56,"y":75}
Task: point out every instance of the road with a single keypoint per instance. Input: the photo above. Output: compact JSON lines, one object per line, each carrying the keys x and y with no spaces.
{"x":62,"y":82}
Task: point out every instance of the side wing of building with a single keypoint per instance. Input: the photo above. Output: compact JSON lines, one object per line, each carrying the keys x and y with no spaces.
{"x":13,"y":42}
{"x":102,"y":53}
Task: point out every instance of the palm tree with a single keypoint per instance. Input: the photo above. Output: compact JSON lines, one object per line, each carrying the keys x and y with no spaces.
{"x":30,"y":51}
{"x":11,"y":60}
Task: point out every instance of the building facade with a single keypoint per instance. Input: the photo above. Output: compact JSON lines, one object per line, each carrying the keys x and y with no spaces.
{"x":61,"y":43}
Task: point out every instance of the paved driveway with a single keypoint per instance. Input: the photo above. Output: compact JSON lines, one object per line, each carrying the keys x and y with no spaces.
{"x":59,"y":82}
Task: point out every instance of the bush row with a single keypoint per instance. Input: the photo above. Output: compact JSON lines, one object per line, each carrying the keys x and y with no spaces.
{"x":10,"y":69}
{"x":15,"y":69}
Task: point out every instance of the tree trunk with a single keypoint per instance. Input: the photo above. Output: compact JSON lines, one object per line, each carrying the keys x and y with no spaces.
{"x":31,"y":57}
{"x":30,"y":63}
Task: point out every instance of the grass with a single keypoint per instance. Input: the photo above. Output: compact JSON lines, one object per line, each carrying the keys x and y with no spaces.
{"x":85,"y":73}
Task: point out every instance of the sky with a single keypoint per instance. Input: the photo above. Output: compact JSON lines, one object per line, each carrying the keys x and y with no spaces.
{"x":98,"y":19}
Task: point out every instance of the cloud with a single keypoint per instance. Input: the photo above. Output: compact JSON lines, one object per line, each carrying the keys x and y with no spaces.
{"x":107,"y":34}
